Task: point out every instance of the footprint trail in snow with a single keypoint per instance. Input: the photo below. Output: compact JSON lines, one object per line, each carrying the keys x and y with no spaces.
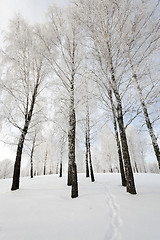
{"x":113,"y":229}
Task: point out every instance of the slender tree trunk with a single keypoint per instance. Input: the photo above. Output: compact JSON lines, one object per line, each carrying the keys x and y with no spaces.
{"x":17,"y":165}
{"x":31,"y":171}
{"x":71,"y":152}
{"x":128,"y":169}
{"x":136,"y":167}
{"x":87,"y":153}
{"x":32,"y":151}
{"x":130,"y":185}
{"x":28,"y":116}
{"x":72,"y":168}
{"x":148,"y":122}
{"x":44,"y":170}
{"x":45,"y":163}
{"x":60,"y":170}
{"x":89,"y":145}
{"x":69,"y":182}
{"x":90,"y":163}
{"x":74,"y":193}
{"x":60,"y":167}
{"x":57,"y":168}
{"x":123,"y":177}
{"x":62,"y":150}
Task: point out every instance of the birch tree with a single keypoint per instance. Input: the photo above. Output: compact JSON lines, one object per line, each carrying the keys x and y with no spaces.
{"x":141,"y":47}
{"x":24,"y":78}
{"x":88,"y":145}
{"x":100,"y":20}
{"x":66,"y":69}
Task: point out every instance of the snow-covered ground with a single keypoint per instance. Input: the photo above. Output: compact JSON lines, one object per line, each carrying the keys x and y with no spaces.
{"x":43,"y":210}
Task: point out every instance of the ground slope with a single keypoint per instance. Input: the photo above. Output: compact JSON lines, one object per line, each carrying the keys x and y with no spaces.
{"x":43,"y":210}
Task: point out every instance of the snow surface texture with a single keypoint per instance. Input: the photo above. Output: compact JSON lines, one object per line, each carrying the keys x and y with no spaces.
{"x":43,"y":210}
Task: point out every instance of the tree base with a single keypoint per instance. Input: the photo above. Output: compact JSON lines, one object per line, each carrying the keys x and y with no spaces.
{"x":14,"y":188}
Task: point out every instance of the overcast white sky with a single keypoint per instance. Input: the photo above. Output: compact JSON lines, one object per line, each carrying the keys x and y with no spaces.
{"x":32,"y":10}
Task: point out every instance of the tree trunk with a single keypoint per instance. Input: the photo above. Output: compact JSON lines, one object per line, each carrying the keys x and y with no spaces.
{"x":128,"y":169}
{"x":31,"y":172}
{"x":89,"y":145}
{"x":60,"y":167}
{"x":136,"y":167}
{"x":70,"y":155}
{"x":148,"y":122}
{"x":44,"y":170}
{"x":87,"y":153}
{"x":60,"y":170}
{"x":126,"y":157}
{"x":45,"y":163}
{"x":28,"y":116}
{"x":72,"y":168}
{"x":123,"y":177}
{"x":17,"y":165}
{"x":32,"y":151}
{"x":90,"y":163}
{"x":72,"y":174}
{"x":74,"y":192}
{"x":57,"y":168}
{"x":62,"y":150}
{"x":69,"y":182}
